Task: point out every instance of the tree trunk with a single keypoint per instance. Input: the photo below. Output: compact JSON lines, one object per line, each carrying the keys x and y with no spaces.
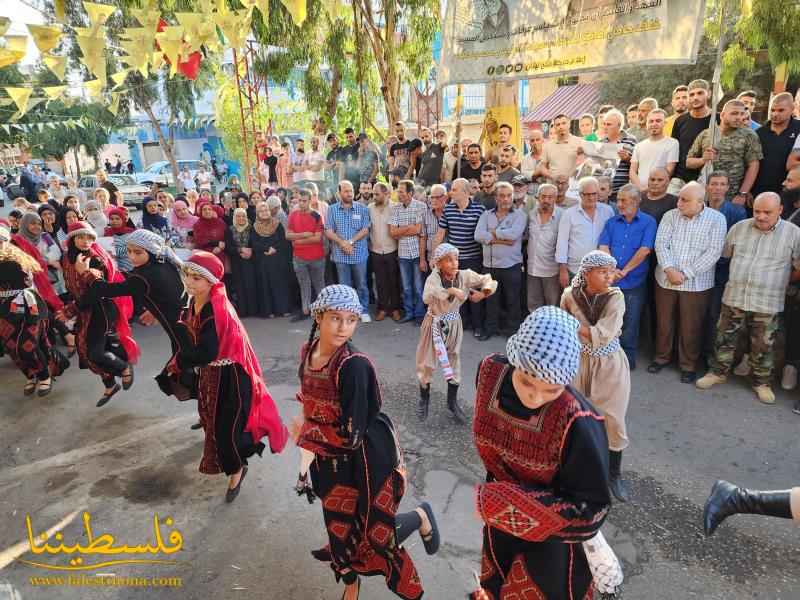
{"x":162,"y":141}
{"x":76,"y":155}
{"x":383,"y":49}
{"x":333,"y":98}
{"x":172,"y":162}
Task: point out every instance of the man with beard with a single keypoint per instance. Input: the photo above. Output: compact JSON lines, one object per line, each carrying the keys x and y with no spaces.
{"x":400,"y":152}
{"x":778,"y":137}
{"x":430,"y":170}
{"x":505,"y":164}
{"x":790,"y":197}
{"x":680,"y":104}
{"x":488,"y":186}
{"x":350,"y":158}
{"x":472,"y":168}
{"x":686,"y":129}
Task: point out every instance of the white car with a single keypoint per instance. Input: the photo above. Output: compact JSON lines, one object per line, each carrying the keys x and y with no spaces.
{"x":132,"y":193}
{"x":161,"y":172}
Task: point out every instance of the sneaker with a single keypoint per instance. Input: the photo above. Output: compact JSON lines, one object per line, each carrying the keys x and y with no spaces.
{"x":365,"y":318}
{"x":743,"y":368}
{"x":710,"y":379}
{"x":796,"y":409}
{"x":789,"y":379}
{"x":765,"y":394}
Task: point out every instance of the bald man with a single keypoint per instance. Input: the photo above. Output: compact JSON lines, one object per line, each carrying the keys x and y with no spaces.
{"x":688,"y":245}
{"x":763,"y":250}
{"x":778,"y":138}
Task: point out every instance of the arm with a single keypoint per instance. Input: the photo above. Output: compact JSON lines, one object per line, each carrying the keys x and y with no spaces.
{"x":482,"y":233}
{"x":663,"y":237}
{"x":749,"y":177}
{"x":634,"y":172}
{"x":200,"y":352}
{"x":637,"y":259}
{"x":433,"y":290}
{"x":697,"y":156}
{"x":609,"y":324}
{"x":133,"y":286}
{"x":510,"y":235}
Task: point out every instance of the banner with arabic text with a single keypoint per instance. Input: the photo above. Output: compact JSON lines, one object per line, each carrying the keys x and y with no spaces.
{"x":495,"y":40}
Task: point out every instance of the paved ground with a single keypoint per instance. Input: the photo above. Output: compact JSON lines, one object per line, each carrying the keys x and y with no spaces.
{"x":137,"y":456}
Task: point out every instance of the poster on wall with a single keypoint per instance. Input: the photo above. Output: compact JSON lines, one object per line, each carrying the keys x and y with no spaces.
{"x":501,"y":40}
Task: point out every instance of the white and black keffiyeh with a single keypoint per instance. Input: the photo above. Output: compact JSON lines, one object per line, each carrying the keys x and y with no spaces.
{"x":336,"y":297}
{"x":592,"y":260}
{"x":155,"y":245}
{"x":546,"y":346}
{"x":604,"y":565}
{"x":5,"y":235}
{"x":443,"y":250}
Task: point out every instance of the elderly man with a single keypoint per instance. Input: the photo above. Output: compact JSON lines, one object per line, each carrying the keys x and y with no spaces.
{"x":543,"y":285}
{"x":654,"y":151}
{"x":406,"y":227}
{"x":688,"y":245}
{"x":530,"y":163}
{"x":630,"y":237}
{"x":763,"y":251}
{"x":615,"y":135}
{"x":500,"y":231}
{"x":383,"y":253}
{"x":737,"y":152}
{"x":560,"y":154}
{"x":434,"y":211}
{"x":579,"y":229}
{"x":778,"y":137}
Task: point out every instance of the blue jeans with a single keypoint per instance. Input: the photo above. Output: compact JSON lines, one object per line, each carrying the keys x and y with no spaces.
{"x":411,"y":279}
{"x":355,"y":275}
{"x":635,"y":299}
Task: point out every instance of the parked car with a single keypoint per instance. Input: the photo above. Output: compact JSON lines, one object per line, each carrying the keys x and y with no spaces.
{"x":161,"y":172}
{"x":132,"y":193}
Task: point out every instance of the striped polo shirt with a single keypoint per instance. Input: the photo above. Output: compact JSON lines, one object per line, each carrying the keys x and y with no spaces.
{"x":460,"y":226}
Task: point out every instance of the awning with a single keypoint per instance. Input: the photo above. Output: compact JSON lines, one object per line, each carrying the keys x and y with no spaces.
{"x":570,"y":100}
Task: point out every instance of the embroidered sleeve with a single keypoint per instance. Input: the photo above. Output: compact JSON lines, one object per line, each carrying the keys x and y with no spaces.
{"x":573,"y":509}
{"x":358,"y":390}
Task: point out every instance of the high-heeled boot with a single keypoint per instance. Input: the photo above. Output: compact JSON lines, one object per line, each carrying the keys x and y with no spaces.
{"x":424,"y":401}
{"x":727,"y":499}
{"x":453,"y":405}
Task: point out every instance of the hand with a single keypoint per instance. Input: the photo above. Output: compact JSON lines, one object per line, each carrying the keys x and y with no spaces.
{"x":147,"y":318}
{"x":709,"y":154}
{"x":221,"y":246}
{"x":271,"y":251}
{"x":624,"y":154}
{"x":81,"y":264}
{"x":563,"y":277}
{"x":96,"y":272}
{"x":743,"y":199}
{"x":216,"y":250}
{"x":584,"y":334}
{"x":674,"y":276}
{"x":619,"y":274}
{"x":246,"y":253}
{"x":423,"y":265}
{"x":346,"y":247}
{"x":476,"y":296}
{"x":456,"y":293}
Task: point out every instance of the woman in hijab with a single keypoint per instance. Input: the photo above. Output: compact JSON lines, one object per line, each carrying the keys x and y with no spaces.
{"x":182,"y":222}
{"x":545,"y":452}
{"x":31,"y":229}
{"x":208,"y":232}
{"x":95,"y":216}
{"x":152,"y":219}
{"x":49,"y":220}
{"x":242,"y":266}
{"x":68,"y":217}
{"x":119,"y":230}
{"x":255,"y":199}
{"x":236,"y":409}
{"x":272,"y":257}
{"x":105,"y":345}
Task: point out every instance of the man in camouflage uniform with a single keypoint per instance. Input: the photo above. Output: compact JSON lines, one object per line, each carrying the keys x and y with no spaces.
{"x":763,"y":251}
{"x":737,"y":152}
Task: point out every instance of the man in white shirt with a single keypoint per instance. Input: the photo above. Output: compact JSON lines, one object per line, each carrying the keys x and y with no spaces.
{"x":530,"y":163}
{"x":560,"y":154}
{"x":203,"y":179}
{"x":315,"y":163}
{"x":543,"y":285}
{"x":655,"y":151}
{"x":186,"y":180}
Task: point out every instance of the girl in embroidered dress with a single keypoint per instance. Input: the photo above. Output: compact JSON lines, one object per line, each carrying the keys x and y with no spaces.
{"x":355,"y":462}
{"x":441,"y":332}
{"x":604,"y":377}
{"x":236,"y":409}
{"x":546,"y":456}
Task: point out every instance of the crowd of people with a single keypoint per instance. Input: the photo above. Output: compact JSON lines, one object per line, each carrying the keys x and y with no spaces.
{"x":683,"y":225}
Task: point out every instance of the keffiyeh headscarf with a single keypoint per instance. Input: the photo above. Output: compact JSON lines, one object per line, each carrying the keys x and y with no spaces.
{"x":546,"y":346}
{"x":593,"y":260}
{"x":336,"y":297}
{"x":443,"y":250}
{"x":154,"y":244}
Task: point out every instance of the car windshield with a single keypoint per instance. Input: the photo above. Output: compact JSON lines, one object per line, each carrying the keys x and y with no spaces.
{"x":122,"y":179}
{"x":154,"y":168}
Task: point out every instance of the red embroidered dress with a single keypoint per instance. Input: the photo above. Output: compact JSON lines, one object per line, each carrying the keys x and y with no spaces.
{"x":358,"y":472}
{"x":546,"y":489}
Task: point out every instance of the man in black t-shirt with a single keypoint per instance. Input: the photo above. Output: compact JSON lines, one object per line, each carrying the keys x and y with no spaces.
{"x":430,"y":171}
{"x":368,"y":160}
{"x":333,"y":167}
{"x":114,"y":195}
{"x":471,"y":168}
{"x":400,"y":151}
{"x":349,"y":156}
{"x":688,"y":126}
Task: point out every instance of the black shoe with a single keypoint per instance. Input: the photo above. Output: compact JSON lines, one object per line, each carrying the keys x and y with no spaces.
{"x":655,"y":367}
{"x":485,"y":336}
{"x":477,"y":333}
{"x":726,"y":499}
{"x":406,"y":319}
{"x":299,"y":317}
{"x":127,"y":381}
{"x":453,"y":405}
{"x":196,"y":426}
{"x":231,"y":494}
{"x":107,"y":395}
{"x":616,"y":485}
{"x":433,"y":540}
{"x":424,"y":402}
{"x":688,"y":376}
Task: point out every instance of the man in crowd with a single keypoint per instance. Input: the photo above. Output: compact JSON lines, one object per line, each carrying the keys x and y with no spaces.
{"x":400,"y":151}
{"x":449,"y":163}
{"x":630,"y":237}
{"x":299,"y":162}
{"x":686,"y":129}
{"x":763,"y":251}
{"x":737,"y":152}
{"x":471,"y":168}
{"x":579,"y":229}
{"x":522,"y":199}
{"x":601,"y":120}
{"x":347,"y":226}
{"x":368,"y":160}
{"x":315,"y":163}
{"x":631,"y":118}
{"x":55,"y":190}
{"x":644,"y":108}
{"x":615,"y":135}
{"x":457,"y":225}
{"x":562,"y":186}
{"x":748,"y":98}
{"x":790,"y":195}
{"x":304,"y":231}
{"x":350,"y":156}
{"x":505,"y":164}
{"x":431,"y":159}
{"x":499,"y":231}
{"x":405,"y":226}
{"x":434,"y":211}
{"x":383,"y":253}
{"x":680,"y":104}
{"x":334,"y":161}
{"x":543,"y":284}
{"x":364,"y":193}
{"x":114,"y":195}
{"x":777,"y":136}
{"x":530,"y":163}
{"x":656,"y":201}
{"x":560,"y":153}
{"x":656,"y":150}
{"x":586,"y":127}
{"x":604,"y":181}
{"x":486,"y":196}
{"x":688,"y":245}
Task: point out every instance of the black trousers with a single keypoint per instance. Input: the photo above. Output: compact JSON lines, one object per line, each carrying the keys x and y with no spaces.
{"x":505,"y":301}
{"x":387,"y":281}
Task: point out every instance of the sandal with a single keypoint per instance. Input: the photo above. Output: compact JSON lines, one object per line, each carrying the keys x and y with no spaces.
{"x":44,"y":387}
{"x":231,"y":494}
{"x":432,"y":539}
{"x":30,"y":387}
{"x":127,"y":380}
{"x":107,"y":395}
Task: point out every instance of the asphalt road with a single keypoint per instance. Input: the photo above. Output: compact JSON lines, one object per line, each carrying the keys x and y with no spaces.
{"x":136,"y":456}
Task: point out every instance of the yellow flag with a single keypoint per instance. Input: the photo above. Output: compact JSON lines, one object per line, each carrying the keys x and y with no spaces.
{"x":58,"y":8}
{"x":46,"y":37}
{"x":98,"y":13}
{"x":113,"y":108}
{"x":297,"y":9}
{"x":157,"y":61}
{"x":261,"y":5}
{"x":54,"y":91}
{"x":5,"y":23}
{"x":198,"y":30}
{"x":171,"y":42}
{"x":137,"y":58}
{"x":15,"y":50}
{"x":93,"y":88}
{"x":148,"y":19}
{"x":331,"y":7}
{"x":119,"y":77}
{"x":234,"y":25}
{"x":56,"y":64}
{"x":20,"y":96}
{"x":94,"y":57}
{"x":143,"y":37}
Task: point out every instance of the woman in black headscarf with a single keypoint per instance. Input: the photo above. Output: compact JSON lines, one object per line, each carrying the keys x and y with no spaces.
{"x":242,"y":276}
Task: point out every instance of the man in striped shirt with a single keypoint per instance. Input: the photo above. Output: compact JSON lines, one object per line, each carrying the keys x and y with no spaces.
{"x":764,"y":250}
{"x":688,"y":245}
{"x":457,"y":226}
